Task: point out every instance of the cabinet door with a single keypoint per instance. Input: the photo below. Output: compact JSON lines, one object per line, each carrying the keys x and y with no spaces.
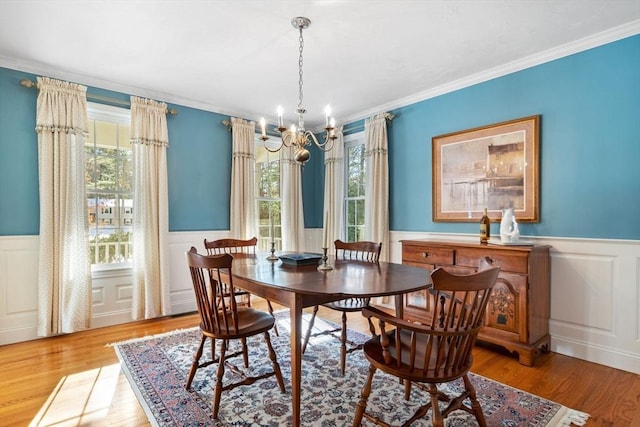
{"x":418,"y":301}
{"x":506,"y":314}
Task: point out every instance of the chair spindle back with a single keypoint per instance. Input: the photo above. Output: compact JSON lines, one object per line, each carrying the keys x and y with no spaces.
{"x":358,"y":251}
{"x":231,"y":246}
{"x":215,"y":298}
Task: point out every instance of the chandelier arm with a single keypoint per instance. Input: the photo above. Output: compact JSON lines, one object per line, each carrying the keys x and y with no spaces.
{"x":288,"y":139}
{"x":321,"y":145}
{"x":266,"y":147}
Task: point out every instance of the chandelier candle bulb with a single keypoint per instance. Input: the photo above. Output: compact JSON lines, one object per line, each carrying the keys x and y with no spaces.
{"x":280,"y":118}
{"x":263,"y":125}
{"x":327,"y":112}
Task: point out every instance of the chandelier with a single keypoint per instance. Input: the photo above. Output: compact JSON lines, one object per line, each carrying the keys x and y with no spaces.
{"x":299,"y":137}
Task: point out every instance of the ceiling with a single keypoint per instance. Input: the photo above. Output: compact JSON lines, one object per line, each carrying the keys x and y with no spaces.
{"x":240,"y":57}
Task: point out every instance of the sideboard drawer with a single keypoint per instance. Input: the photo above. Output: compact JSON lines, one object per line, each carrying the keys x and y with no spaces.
{"x":428,"y":255}
{"x":516,"y":262}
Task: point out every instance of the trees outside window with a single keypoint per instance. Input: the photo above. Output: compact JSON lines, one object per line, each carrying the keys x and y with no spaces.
{"x":355,"y":188}
{"x":267,"y":190}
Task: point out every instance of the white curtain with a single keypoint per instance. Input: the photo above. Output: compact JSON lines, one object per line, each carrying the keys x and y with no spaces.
{"x":64,"y":268}
{"x":149,"y":137}
{"x":291,"y":200}
{"x":377,"y":185}
{"x":242,"y":210}
{"x":334,"y":191}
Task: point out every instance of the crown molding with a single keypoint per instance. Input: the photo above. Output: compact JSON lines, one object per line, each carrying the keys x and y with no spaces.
{"x":598,"y":39}
{"x":614,"y":34}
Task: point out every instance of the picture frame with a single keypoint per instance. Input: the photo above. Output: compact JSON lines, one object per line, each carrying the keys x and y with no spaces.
{"x":493,"y":167}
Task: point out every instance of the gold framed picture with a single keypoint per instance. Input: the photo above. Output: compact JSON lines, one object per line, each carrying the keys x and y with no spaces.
{"x":494,"y":167}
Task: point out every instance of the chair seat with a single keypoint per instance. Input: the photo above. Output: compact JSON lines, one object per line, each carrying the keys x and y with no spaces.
{"x":251,"y":321}
{"x":348,"y":305}
{"x":413,"y":372}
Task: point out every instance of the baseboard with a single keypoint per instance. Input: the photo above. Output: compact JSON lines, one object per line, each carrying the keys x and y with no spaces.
{"x":610,"y":357}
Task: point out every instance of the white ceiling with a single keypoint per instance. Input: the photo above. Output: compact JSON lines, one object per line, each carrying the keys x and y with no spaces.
{"x":240,"y":57}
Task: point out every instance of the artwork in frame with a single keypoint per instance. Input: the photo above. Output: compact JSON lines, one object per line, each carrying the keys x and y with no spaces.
{"x":493,"y":167}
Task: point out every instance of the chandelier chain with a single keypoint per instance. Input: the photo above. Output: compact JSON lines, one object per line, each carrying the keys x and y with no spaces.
{"x":300,"y":106}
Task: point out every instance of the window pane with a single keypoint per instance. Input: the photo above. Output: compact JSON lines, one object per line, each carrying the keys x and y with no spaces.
{"x":125,"y":170}
{"x":267,"y":189}
{"x":355,"y":191}
{"x":109,"y":177}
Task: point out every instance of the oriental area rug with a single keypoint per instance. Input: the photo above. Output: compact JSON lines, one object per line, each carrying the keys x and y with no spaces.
{"x":157,"y":368}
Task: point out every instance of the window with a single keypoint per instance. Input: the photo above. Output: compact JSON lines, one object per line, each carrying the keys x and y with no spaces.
{"x":267,"y":176}
{"x":355,"y":170}
{"x":109,"y":179}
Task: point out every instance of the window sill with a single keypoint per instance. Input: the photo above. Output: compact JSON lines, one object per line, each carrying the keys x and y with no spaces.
{"x":111,"y":269}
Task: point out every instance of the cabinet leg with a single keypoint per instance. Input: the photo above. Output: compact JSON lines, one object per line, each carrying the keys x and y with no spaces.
{"x":528,"y":356}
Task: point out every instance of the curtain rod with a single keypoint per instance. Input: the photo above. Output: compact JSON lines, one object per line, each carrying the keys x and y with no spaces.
{"x":93,"y":97}
{"x":360,"y":127}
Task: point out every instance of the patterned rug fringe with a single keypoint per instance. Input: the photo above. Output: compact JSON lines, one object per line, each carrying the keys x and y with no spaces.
{"x":572,"y":417}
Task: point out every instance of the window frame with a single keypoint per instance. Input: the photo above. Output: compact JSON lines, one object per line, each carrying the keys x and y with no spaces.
{"x":357,"y":138}
{"x":275,"y":222}
{"x":120,"y":116}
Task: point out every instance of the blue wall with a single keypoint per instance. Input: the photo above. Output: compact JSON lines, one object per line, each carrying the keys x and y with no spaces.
{"x":590,"y":143}
{"x":198,"y":162}
{"x":590,"y":150}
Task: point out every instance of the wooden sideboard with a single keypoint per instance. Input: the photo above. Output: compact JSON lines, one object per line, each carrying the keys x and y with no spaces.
{"x":517,"y":316}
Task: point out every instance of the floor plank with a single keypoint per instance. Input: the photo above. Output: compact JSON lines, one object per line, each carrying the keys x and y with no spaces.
{"x":75,"y":379}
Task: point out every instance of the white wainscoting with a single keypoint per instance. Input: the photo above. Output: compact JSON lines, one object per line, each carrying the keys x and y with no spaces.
{"x":111,"y":289}
{"x":595,"y":291}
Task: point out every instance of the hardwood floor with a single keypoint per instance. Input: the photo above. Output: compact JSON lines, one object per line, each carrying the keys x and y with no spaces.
{"x":76,"y":380}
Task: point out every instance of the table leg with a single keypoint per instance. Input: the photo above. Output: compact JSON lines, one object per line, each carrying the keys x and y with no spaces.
{"x":296,"y":357}
{"x":400,"y":305}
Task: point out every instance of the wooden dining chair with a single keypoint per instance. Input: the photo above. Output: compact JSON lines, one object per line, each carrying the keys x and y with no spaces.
{"x":237,"y":246}
{"x":222,"y":319}
{"x":433,"y":353}
{"x":357,"y":251}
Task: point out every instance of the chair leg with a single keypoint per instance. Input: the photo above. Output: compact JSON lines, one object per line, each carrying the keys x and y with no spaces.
{"x":275,"y":325}
{"x":196,"y":362}
{"x":364,"y":396}
{"x":475,"y":405}
{"x":274,"y":362}
{"x":437,"y":415}
{"x":308,"y":334}
{"x":217,"y":390}
{"x":407,"y":389}
{"x":343,"y":343}
{"x":245,"y":353}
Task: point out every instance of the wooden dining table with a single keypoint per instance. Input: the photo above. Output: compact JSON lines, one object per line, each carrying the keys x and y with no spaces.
{"x":298,"y":287}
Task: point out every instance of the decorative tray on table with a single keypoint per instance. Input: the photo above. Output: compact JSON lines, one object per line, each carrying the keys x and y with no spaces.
{"x":300,"y":259}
